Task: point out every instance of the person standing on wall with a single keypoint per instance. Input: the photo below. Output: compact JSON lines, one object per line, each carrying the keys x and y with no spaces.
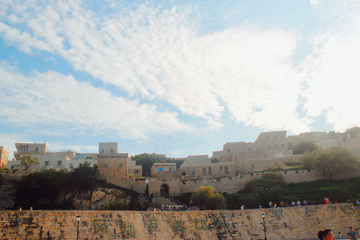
{"x":352,"y":234}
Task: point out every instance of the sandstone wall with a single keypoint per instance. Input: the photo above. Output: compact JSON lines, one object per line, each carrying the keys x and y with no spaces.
{"x":281,"y":223}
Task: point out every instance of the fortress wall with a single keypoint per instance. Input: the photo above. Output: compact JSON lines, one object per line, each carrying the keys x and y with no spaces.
{"x":237,"y":183}
{"x":281,"y":223}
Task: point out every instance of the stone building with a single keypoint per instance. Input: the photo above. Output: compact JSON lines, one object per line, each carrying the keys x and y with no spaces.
{"x":4,"y":156}
{"x":65,"y":160}
{"x":162,"y":167}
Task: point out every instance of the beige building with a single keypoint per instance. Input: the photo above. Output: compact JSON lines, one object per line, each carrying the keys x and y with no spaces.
{"x":4,"y":157}
{"x":162,"y":167}
{"x":329,"y":143}
{"x":108,"y":148}
{"x":65,"y":160}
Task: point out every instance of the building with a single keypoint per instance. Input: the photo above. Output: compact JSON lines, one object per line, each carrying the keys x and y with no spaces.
{"x":4,"y":157}
{"x":65,"y":160}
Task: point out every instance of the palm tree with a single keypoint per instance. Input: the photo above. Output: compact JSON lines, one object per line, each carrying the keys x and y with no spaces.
{"x":325,"y":164}
{"x":345,"y":160}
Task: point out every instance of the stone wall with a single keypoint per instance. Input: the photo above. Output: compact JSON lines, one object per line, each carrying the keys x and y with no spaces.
{"x":236,"y":183}
{"x":281,"y":223}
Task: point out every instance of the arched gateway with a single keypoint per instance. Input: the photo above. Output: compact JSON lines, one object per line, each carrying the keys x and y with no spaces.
{"x":164,"y":190}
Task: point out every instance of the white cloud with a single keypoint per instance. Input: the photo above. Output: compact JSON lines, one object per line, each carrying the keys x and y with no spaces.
{"x":53,"y":99}
{"x":157,"y":54}
{"x":314,"y":2}
{"x":57,"y":147}
{"x":9,"y":140}
{"x":332,"y":76}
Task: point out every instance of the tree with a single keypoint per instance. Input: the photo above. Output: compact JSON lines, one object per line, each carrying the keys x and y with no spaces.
{"x":308,"y":160}
{"x":345,"y":161}
{"x":85,"y":177}
{"x":147,"y":161}
{"x":325,"y":164}
{"x":214,"y":160}
{"x":353,"y":132}
{"x":304,"y":146}
{"x":28,"y":161}
{"x":206,"y":198}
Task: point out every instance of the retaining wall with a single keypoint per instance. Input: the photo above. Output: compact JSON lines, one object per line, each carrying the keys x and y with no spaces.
{"x":281,"y":223}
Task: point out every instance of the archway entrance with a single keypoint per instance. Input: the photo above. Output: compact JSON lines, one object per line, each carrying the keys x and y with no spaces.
{"x":164,"y":190}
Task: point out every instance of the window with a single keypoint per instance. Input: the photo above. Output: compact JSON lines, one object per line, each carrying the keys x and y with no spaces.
{"x":209,"y":171}
{"x":267,"y":138}
{"x":71,"y":165}
{"x":112,"y":150}
{"x":102,"y":150}
{"x":160,"y":169}
{"x":249,"y":149}
{"x":171,"y":169}
{"x":12,"y":167}
{"x":46,"y":163}
{"x":164,"y":180}
{"x":281,"y":137}
{"x":276,"y":164}
{"x":59,"y":163}
{"x":221,"y":168}
{"x":282,"y":145}
{"x":192,"y":171}
{"x":105,"y":166}
{"x":268,"y":146}
{"x":228,"y":150}
{"x":136,"y":171}
{"x":36,"y":149}
{"x":252,"y":166}
{"x":351,"y":143}
{"x":226,"y":168}
{"x":120,"y":165}
{"x":25,"y":149}
{"x":204,"y":171}
{"x":274,"y":137}
{"x":275,"y":145}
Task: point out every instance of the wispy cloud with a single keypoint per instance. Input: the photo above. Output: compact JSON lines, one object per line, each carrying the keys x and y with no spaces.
{"x":157,"y":54}
{"x":55,"y":99}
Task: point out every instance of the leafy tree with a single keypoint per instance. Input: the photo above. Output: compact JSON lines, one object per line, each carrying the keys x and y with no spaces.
{"x":353,"y":132}
{"x":214,"y":160}
{"x":85,"y":177}
{"x":309,"y":159}
{"x":206,"y":198}
{"x":268,"y":180}
{"x":40,"y":189}
{"x":304,"y":146}
{"x":345,"y":161}
{"x":147,"y":161}
{"x":325,"y":164}
{"x":27,"y":161}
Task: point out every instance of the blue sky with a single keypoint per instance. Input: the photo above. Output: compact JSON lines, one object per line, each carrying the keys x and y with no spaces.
{"x":175,"y":77}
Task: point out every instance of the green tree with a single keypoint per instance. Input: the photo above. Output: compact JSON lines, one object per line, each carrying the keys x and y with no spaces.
{"x":147,"y":161}
{"x":325,"y":164}
{"x":309,"y":159}
{"x":304,"y":146}
{"x":207,"y":199}
{"x":353,"y":132}
{"x":84,"y":178}
{"x":40,"y":189}
{"x":214,"y":160}
{"x":27,"y":161}
{"x":345,"y":161}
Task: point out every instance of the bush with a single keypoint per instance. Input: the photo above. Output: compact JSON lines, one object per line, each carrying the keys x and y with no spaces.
{"x":207,"y":199}
{"x":293,"y":163}
{"x":117,"y":205}
{"x":131,"y":176}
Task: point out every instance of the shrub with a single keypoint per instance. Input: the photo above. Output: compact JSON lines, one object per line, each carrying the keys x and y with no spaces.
{"x":293,"y":163}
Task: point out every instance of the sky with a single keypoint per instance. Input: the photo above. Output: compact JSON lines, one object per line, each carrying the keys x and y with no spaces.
{"x":175,"y":77}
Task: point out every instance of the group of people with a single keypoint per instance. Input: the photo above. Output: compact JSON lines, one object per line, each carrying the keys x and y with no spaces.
{"x":282,"y":204}
{"x":172,"y":208}
{"x":327,"y":234}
